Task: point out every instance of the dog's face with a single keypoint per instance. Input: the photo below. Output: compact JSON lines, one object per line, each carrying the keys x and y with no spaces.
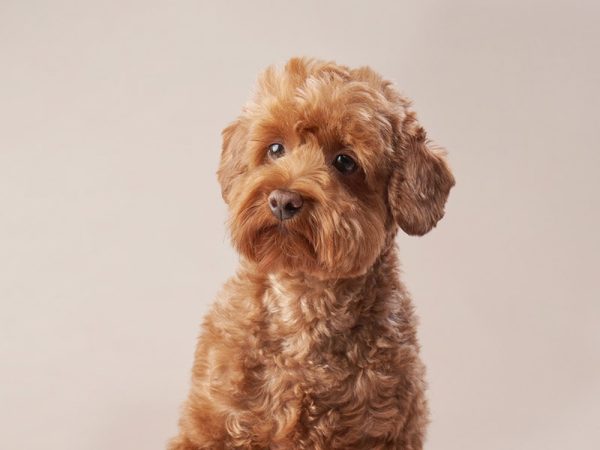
{"x":321,"y":168}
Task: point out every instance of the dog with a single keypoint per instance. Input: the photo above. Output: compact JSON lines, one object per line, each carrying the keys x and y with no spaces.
{"x":312,"y":345}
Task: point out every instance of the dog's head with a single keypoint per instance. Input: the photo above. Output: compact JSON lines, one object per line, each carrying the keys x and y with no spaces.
{"x":321,"y":168}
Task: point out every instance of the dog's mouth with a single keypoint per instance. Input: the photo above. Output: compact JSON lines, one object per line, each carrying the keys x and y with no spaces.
{"x":283,"y":245}
{"x":282,"y":234}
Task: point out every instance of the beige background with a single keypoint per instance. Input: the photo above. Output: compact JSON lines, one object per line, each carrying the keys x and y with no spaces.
{"x":112,"y":238}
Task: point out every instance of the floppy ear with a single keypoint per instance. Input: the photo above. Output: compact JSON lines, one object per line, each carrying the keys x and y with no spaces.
{"x":231,"y":165}
{"x":420,"y":183}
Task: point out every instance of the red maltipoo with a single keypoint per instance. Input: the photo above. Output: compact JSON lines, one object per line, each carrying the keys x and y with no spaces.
{"x":312,"y":345}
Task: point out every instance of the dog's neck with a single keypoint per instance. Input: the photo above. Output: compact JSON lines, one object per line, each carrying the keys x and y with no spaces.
{"x":298,"y":304}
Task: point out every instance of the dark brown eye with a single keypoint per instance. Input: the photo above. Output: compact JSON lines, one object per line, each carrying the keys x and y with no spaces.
{"x":276,"y":150}
{"x":344,"y":164}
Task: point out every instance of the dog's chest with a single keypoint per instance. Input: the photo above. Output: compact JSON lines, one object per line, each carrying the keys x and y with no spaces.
{"x":323,"y":365}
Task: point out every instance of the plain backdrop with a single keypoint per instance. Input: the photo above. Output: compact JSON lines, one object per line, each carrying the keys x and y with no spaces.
{"x":112,"y":228}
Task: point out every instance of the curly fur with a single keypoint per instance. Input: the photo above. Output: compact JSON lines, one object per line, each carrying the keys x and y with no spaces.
{"x":312,"y":345}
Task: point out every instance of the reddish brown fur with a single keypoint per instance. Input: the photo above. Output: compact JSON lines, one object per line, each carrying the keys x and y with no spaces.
{"x":312,"y":344}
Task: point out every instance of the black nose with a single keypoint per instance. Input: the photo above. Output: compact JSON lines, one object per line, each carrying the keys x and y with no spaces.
{"x":285,"y":204}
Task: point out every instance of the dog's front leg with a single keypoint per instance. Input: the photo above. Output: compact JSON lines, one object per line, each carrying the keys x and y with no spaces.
{"x":218,"y":413}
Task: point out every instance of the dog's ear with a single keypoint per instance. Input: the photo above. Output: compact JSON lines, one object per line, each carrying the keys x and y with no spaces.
{"x":420,"y":182}
{"x":231,"y":165}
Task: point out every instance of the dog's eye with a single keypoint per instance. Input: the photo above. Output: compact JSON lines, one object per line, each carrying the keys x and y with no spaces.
{"x":344,"y":164}
{"x":276,"y":150}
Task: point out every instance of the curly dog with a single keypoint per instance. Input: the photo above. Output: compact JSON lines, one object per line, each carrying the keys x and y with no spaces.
{"x":312,"y":345}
